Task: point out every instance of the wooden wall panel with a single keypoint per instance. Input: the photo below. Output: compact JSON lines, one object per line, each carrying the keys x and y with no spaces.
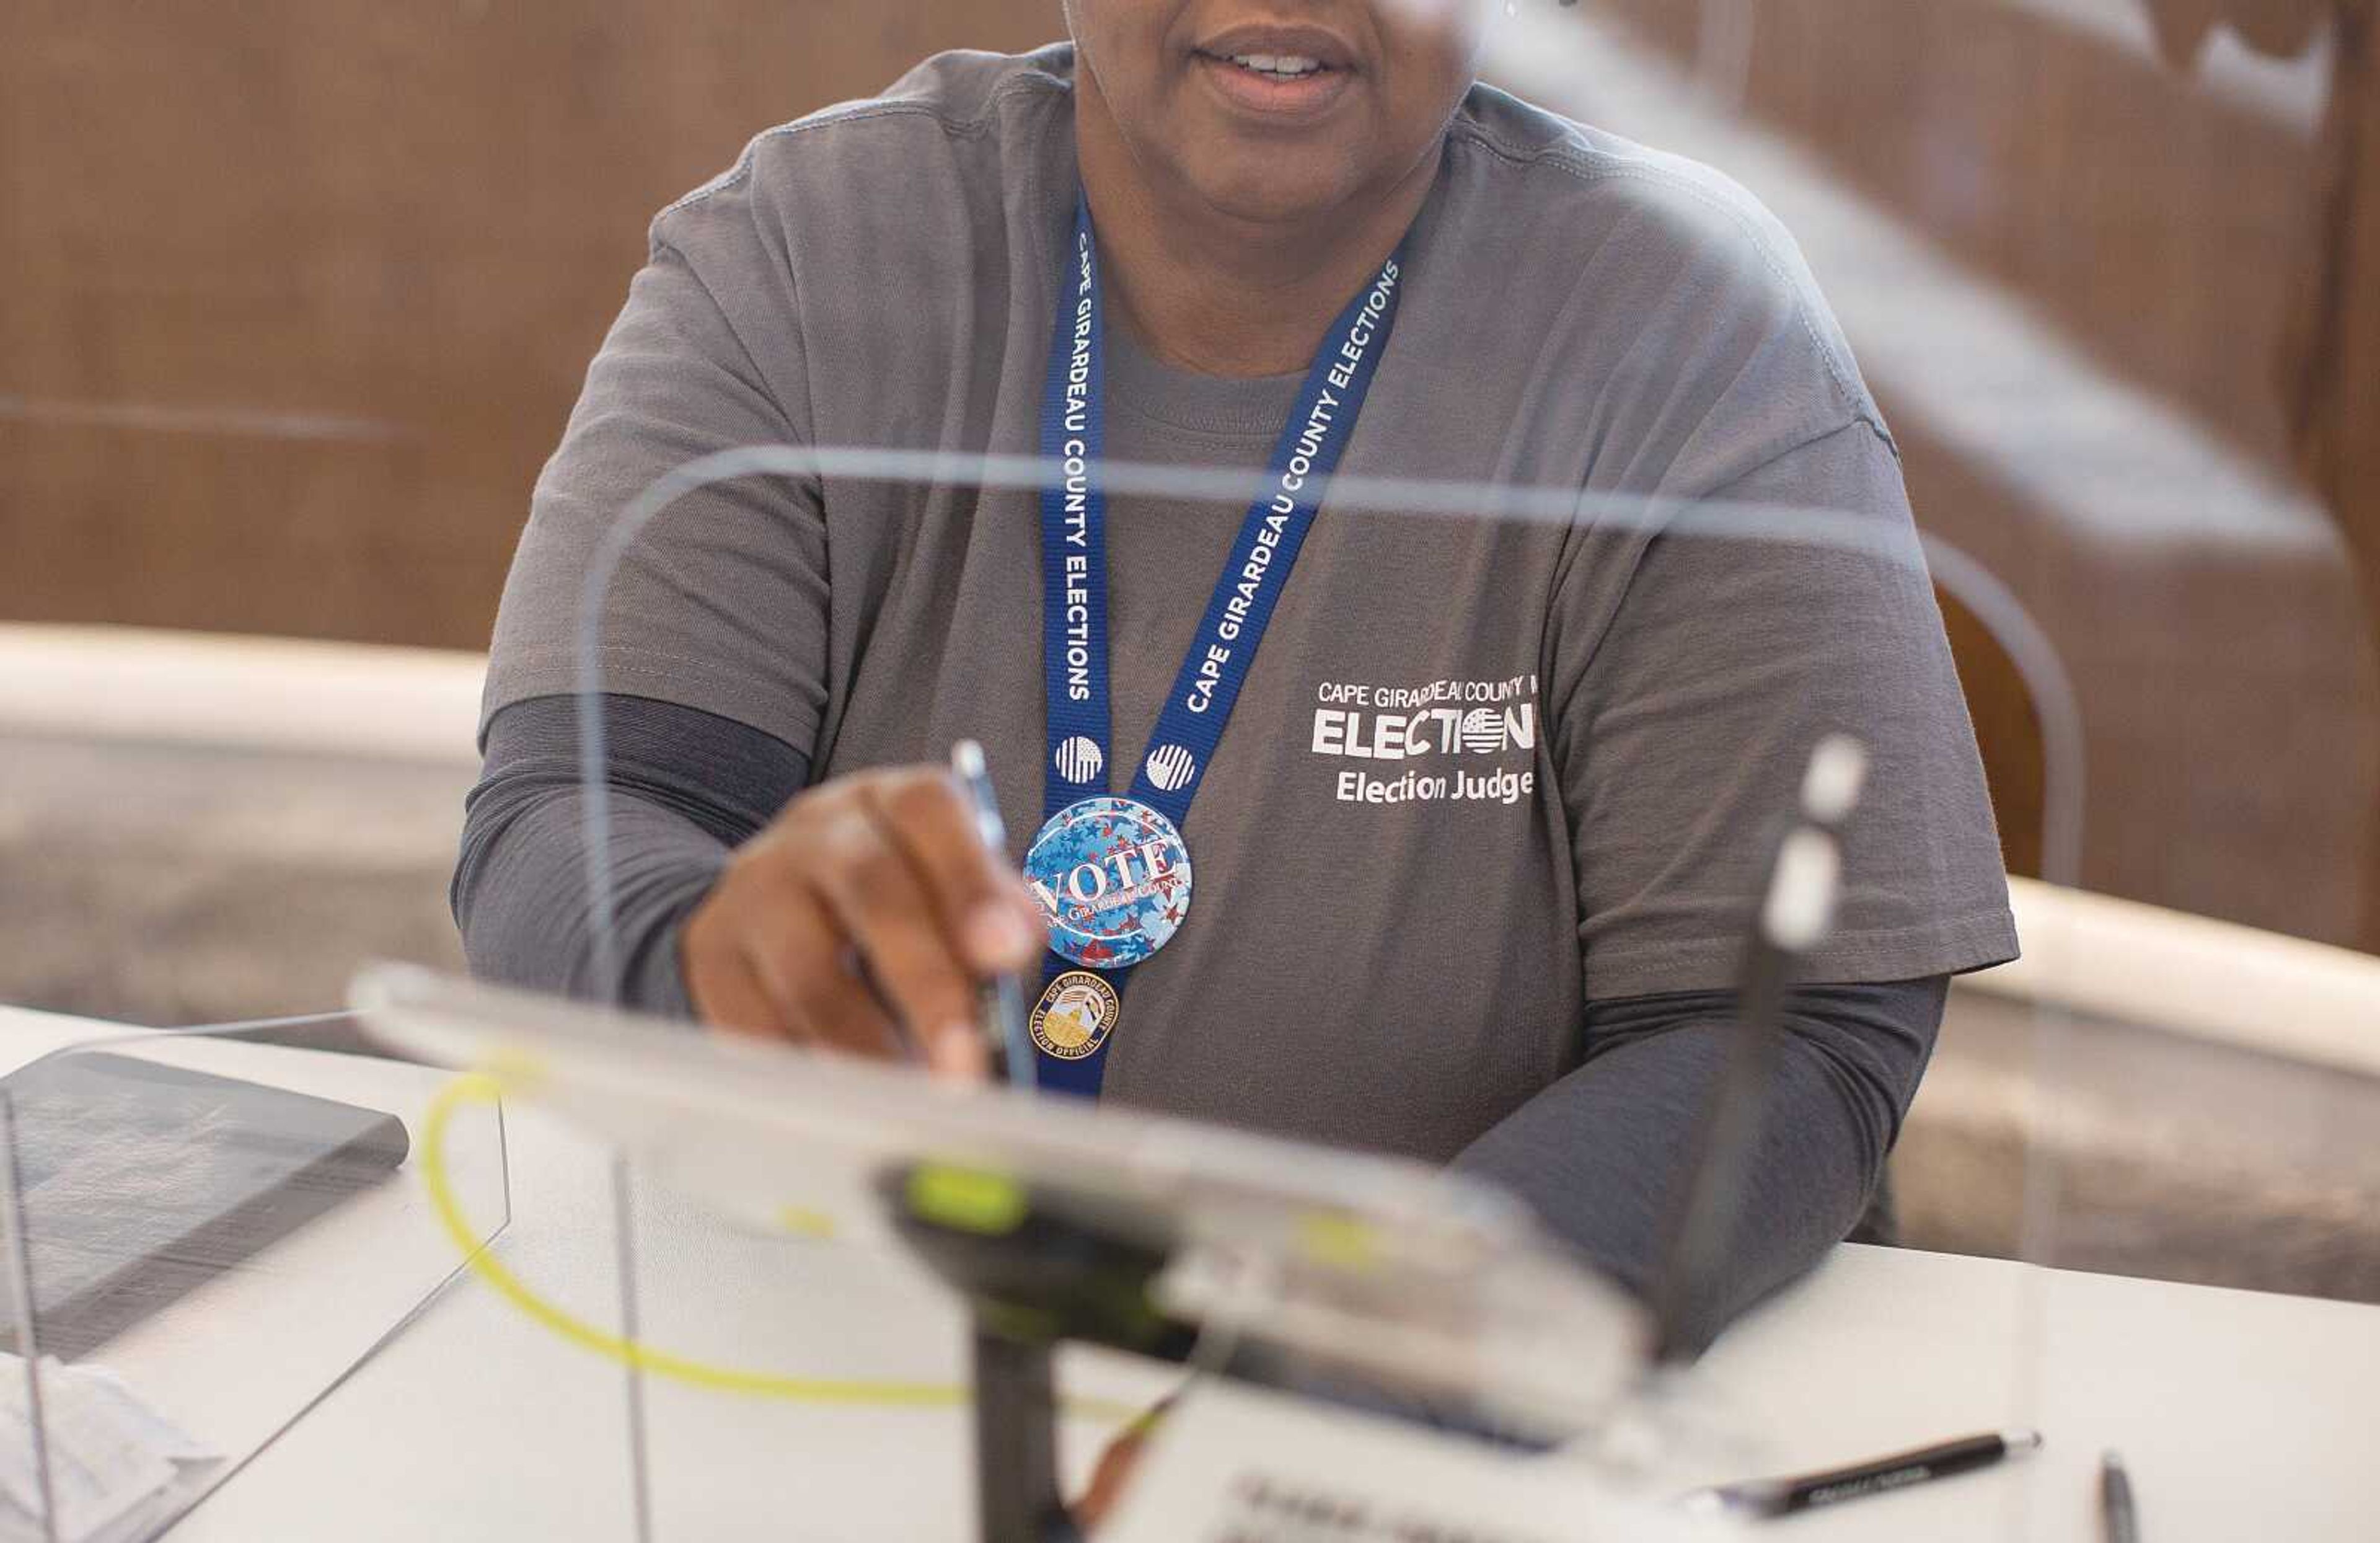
{"x":298,"y":292}
{"x":2157,"y":224}
{"x":294,"y":293}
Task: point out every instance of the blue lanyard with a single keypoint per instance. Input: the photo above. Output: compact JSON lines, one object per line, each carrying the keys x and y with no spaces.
{"x":1074,"y":566}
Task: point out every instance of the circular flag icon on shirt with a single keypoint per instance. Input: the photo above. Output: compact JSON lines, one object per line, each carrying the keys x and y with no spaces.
{"x":1113,"y":878}
{"x":1078,"y":759}
{"x":1170,"y":767}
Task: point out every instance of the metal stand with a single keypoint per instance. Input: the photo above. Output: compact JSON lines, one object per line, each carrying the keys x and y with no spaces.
{"x":1036,"y":1268}
{"x":1018,"y":1495}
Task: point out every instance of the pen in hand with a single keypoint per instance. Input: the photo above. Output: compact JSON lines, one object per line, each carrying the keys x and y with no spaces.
{"x":1000,"y":1000}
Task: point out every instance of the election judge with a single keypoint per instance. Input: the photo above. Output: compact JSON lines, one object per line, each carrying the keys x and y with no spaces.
{"x":1430,"y":835}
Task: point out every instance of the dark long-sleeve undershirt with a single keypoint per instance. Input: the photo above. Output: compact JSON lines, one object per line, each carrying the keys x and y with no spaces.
{"x":687,"y":787}
{"x":1599,"y":1155}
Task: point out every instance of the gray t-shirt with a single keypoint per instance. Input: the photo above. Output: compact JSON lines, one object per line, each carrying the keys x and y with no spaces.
{"x":1481,"y":771}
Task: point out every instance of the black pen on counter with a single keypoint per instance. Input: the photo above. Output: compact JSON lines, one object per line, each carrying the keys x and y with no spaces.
{"x":1784,"y":1497}
{"x":2119,"y":1521}
{"x":1000,"y":1002}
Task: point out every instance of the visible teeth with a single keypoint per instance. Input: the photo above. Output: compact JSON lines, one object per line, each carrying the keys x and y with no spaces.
{"x":1278,"y":63}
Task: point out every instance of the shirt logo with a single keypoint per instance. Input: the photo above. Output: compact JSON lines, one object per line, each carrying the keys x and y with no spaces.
{"x":1453,"y":726}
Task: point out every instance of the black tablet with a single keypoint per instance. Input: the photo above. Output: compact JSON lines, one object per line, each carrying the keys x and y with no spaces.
{"x":140,"y":1181}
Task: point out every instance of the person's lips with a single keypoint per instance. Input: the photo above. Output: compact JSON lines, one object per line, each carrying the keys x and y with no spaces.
{"x":1318,"y":43}
{"x":1290,"y":72}
{"x":1273,"y":92}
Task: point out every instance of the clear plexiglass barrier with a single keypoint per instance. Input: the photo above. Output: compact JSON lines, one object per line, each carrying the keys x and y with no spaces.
{"x":2120,"y":1101}
{"x":1471,"y":754}
{"x":206,"y":1232}
{"x":706,"y":1250}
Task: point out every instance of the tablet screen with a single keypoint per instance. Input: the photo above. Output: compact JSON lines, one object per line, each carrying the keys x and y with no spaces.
{"x":141,"y":1182}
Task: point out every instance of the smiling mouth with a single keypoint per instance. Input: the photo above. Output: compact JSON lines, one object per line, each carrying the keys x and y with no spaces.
{"x":1281,"y":86}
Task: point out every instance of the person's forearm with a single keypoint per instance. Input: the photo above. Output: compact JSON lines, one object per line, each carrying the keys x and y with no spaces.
{"x":526,"y":912}
{"x":1603,"y":1154}
{"x":684,"y":787}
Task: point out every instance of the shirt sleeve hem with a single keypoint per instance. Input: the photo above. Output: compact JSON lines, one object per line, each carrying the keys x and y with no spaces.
{"x":632,"y":672}
{"x":1953,"y":946}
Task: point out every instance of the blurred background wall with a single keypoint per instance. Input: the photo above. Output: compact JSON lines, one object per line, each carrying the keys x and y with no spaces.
{"x":2102,"y":261}
{"x":300,"y":293}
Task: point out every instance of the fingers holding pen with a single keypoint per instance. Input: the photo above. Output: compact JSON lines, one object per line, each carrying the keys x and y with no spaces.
{"x":763,"y":957}
{"x":881,"y":902}
{"x":861,"y":920}
{"x":985,"y":910}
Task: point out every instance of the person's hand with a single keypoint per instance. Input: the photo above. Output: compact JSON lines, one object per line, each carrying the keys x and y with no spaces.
{"x":1113,"y":1474}
{"x":860,"y":920}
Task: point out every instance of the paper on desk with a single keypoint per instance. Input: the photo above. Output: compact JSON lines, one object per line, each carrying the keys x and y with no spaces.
{"x":116,"y":1465}
{"x":1241,"y":1462}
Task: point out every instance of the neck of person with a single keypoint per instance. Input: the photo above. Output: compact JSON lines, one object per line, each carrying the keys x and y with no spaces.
{"x":1217,"y":294}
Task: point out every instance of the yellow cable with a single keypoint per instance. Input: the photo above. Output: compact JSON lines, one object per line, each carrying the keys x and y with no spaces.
{"x":478,"y":1087}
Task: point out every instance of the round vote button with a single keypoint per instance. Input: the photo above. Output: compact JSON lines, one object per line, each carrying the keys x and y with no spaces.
{"x":1113,"y":878}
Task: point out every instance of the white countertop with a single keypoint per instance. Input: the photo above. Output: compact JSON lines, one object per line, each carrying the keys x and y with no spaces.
{"x":2241,"y":1415}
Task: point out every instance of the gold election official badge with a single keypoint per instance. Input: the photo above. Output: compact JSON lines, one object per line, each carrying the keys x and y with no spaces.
{"x":1074,"y":1016}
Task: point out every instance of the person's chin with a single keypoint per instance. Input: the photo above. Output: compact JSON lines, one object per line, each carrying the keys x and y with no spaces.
{"x":1271,"y":189}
